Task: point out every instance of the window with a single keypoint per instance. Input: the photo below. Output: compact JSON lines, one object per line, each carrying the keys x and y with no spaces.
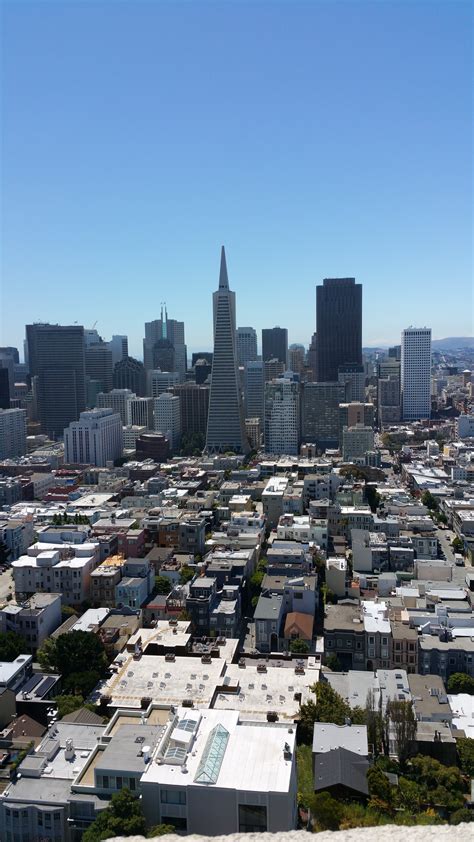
{"x":252,"y":819}
{"x":371,"y":640}
{"x":118,"y":782}
{"x":173,"y":796}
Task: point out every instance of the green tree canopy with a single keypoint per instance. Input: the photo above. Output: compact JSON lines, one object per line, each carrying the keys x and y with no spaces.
{"x":123,"y":817}
{"x":11,"y":645}
{"x":4,"y":553}
{"x":162,"y":585}
{"x":429,"y":500}
{"x":186,"y":574}
{"x":457,"y":545}
{"x":78,"y":656}
{"x":465,"y":747}
{"x":160,"y":830}
{"x":329,"y":706}
{"x":68,"y":704}
{"x":299,"y":646}
{"x":459,"y":682}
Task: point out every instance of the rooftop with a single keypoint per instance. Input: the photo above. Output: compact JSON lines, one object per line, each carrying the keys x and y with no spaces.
{"x":329,"y":737}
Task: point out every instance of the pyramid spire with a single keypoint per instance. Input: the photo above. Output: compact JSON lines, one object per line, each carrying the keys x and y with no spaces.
{"x":223,"y":279}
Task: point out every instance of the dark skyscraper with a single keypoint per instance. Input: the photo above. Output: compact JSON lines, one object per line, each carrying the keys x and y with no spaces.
{"x":130,"y":374}
{"x":338,"y":326}
{"x":4,"y":388}
{"x":56,"y":358}
{"x":275,"y":344}
{"x":225,"y":425}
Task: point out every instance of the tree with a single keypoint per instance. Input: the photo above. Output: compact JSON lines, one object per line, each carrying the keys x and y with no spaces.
{"x":162,"y":585}
{"x":328,"y":707}
{"x":459,"y":682}
{"x":326,"y":811}
{"x":299,"y":646}
{"x":11,"y":645}
{"x":461,"y":816}
{"x":429,"y":501}
{"x":379,"y":786}
{"x":123,"y":817}
{"x":333,"y":663}
{"x":46,"y":655}
{"x":78,"y":656}
{"x":465,"y":747}
{"x":402,"y":717}
{"x":160,"y":830}
{"x":186,"y":574}
{"x":457,"y":545}
{"x":372,"y":497}
{"x":68,"y":704}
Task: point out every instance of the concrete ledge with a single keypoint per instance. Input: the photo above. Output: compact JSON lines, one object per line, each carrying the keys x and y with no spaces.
{"x":432,"y":833}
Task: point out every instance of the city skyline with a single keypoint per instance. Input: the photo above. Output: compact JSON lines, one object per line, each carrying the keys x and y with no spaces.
{"x":305,"y":168}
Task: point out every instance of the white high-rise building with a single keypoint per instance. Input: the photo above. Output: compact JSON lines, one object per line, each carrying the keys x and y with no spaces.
{"x":12,"y":433}
{"x":140,"y":412}
{"x":116,"y":399}
{"x":167,"y":411}
{"x":416,"y":373}
{"x":160,"y":381}
{"x":95,"y":439}
{"x":246,"y":342}
{"x":282,"y":416}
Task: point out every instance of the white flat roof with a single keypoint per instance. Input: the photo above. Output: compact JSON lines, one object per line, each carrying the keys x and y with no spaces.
{"x":91,"y":618}
{"x":462,"y":706}
{"x":253,"y":757}
{"x":328,"y":737}
{"x":8,"y":669}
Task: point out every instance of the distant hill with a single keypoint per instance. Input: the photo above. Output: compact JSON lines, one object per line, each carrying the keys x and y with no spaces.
{"x":451,"y":343}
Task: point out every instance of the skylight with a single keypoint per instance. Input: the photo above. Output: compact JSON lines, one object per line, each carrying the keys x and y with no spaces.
{"x":212,"y":756}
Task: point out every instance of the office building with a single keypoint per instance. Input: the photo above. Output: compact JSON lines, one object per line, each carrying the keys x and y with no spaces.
{"x":12,"y":433}
{"x":354,"y":413}
{"x":152,"y":446}
{"x":311,"y":358}
{"x":338,"y":326}
{"x":194,"y":407}
{"x":10,"y":351}
{"x":95,"y":439}
{"x":129,"y":373}
{"x":172,"y":332}
{"x":282,"y":416}
{"x":296,"y":359}
{"x":352,"y":376}
{"x":275,"y":344}
{"x":254,"y":390}
{"x":202,"y":371}
{"x":119,"y":348}
{"x":356,"y":442}
{"x":140,"y":412}
{"x":320,"y":415}
{"x":416,"y":373}
{"x":99,"y":368}
{"x":272,"y":369}
{"x":388,"y":400}
{"x":395,"y":352}
{"x":167,"y":418}
{"x":56,"y":360}
{"x":225,"y":426}
{"x":246,"y":344}
{"x":161,"y":381}
{"x":253,"y":429}
{"x":4,"y":388}
{"x":7,"y":364}
{"x":117,"y":400}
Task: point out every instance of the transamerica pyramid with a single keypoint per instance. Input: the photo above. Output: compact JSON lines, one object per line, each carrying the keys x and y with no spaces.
{"x":225,"y":423}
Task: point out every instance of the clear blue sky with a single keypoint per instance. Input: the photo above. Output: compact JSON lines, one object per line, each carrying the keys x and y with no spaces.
{"x":314,"y":139}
